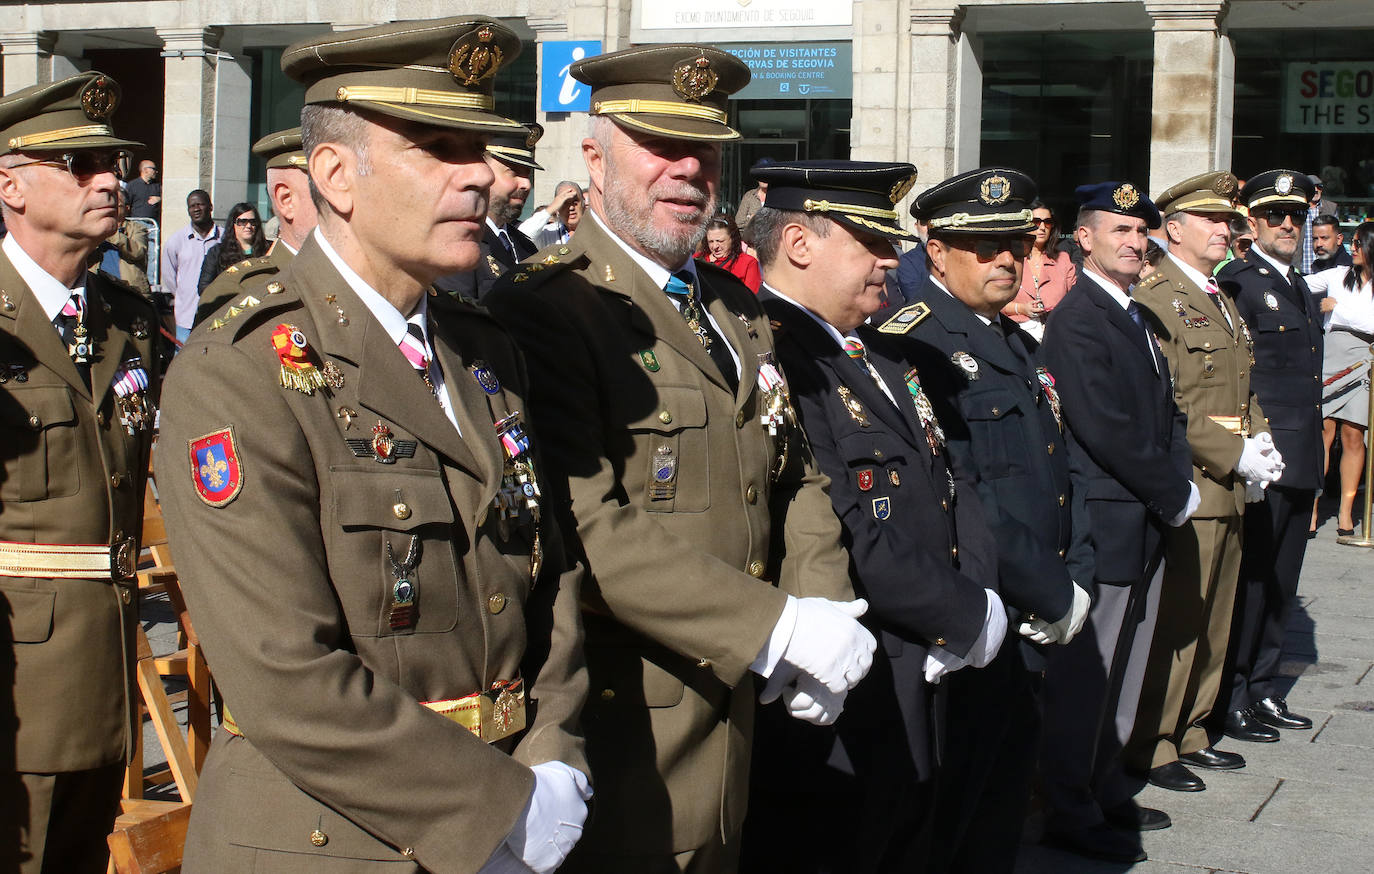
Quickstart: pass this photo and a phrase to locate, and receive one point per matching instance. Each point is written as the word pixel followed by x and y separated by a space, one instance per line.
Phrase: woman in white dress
pixel 1349 309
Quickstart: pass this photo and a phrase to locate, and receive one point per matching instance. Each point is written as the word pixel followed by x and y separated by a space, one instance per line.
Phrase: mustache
pixel 681 191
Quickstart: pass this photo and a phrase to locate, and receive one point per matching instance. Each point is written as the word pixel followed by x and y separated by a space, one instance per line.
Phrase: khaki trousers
pixel 57 823
pixel 1188 655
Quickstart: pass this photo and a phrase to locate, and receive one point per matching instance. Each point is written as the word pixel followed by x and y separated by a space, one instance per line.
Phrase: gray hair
pixel 333 124
pixel 765 229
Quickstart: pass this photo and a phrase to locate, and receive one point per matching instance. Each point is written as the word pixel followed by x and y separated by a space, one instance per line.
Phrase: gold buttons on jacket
pixel 35 423
pixel 401 509
pixel 703 663
pixel 116 479
pixel 100 418
pixel 755 568
pixel 1049 448
pixel 740 419
pixel 665 417
pixel 1061 553
pixel 126 596
pixel 607 694
pixel 1061 500
pixel 954 552
pixel 496 603
pixel 319 838
pixel 751 494
pixel 944 505
pixel 939 641
pixel 408 853
pixel 997 411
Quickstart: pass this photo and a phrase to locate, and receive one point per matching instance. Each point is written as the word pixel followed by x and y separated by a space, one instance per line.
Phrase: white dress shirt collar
pixel 1112 289
pixel 52 294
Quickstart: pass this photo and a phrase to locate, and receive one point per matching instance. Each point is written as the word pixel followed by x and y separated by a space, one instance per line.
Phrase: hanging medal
pixel 130 386
pixel 773 391
pixel 297 370
pixel 403 589
pixel 1052 395
pixel 935 435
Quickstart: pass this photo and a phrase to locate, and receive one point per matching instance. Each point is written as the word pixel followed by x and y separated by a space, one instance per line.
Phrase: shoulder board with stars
pixel 906 318
pixel 541 266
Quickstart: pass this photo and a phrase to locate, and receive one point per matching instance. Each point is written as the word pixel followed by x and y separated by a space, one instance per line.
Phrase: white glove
pixel 1254 492
pixel 827 643
pixel 940 661
pixel 989 640
pixel 811 702
pixel 1194 501
pixel 1259 460
pixel 552 823
pixel 1063 631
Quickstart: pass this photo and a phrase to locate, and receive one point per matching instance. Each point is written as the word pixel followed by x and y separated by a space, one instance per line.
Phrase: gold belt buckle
pixel 491 715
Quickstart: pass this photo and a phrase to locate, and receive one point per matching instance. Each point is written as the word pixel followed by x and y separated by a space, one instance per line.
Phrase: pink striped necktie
pixel 74 306
pixel 413 348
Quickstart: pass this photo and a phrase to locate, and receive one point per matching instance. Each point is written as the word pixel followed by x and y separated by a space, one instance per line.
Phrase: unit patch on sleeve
pixel 216 471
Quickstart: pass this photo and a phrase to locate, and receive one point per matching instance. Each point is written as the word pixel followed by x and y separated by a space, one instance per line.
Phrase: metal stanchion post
pixel 1364 538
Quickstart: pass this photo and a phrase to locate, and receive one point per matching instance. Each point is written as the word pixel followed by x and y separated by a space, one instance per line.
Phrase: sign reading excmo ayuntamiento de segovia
pixel 669 14
pixel 1329 97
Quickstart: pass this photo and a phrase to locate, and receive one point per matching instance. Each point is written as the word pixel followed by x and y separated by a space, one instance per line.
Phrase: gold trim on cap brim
pixel 636 122
pixel 892 231
pixel 1201 204
pixel 659 107
pixel 1294 199
pixel 412 96
pixel 523 157
pixel 960 220
pixel 43 138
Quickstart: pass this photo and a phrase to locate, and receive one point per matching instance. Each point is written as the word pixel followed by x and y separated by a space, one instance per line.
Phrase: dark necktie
pixel 505 241
pixel 681 285
pixel 1134 312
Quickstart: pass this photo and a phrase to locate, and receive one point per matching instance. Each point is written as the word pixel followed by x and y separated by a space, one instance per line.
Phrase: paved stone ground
pixel 1302 804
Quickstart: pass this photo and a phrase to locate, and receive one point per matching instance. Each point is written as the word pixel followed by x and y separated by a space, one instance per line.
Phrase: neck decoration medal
pixel 773 389
pixel 297 370
pixel 130 388
pixel 81 349
pixel 935 435
pixel 519 484
pixel 1051 394
pixel 403 591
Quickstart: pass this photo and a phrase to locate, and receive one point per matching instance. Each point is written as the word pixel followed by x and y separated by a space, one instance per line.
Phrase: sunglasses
pixel 1042 222
pixel 85 165
pixel 987 248
pixel 246 222
pixel 1274 217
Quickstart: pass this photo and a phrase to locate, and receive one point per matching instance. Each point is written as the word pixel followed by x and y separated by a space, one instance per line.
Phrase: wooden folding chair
pixel 149 837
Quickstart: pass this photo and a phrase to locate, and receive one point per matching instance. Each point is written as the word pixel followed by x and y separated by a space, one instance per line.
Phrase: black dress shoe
pixel 1214 759
pixel 1176 778
pixel 1243 725
pixel 1274 712
pixel 1099 841
pixel 1345 532
pixel 1129 815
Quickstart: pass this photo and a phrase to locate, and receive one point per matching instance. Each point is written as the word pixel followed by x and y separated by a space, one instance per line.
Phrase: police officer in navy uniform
pixel 1285 322
pixel 511 159
pixel 1127 435
pixel 1000 412
pixel 920 550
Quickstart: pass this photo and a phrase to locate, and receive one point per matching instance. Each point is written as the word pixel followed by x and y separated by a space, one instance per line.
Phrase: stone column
pixel 881 92
pixel 188 140
pixel 28 59
pixel 944 123
pixel 233 132
pixel 1193 91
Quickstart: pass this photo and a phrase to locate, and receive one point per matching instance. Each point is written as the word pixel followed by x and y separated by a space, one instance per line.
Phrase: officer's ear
pixel 11 193
pixel 935 255
pixel 594 156
pixel 797 243
pixel 333 169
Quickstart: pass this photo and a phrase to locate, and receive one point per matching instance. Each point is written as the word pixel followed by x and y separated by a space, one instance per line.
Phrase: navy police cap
pixel 860 194
pixel 1122 198
pixel 989 200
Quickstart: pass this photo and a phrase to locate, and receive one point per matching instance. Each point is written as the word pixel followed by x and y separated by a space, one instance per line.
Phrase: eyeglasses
pixel 1274 217
pixel 246 222
pixel 85 164
pixel 987 248
pixel 1042 222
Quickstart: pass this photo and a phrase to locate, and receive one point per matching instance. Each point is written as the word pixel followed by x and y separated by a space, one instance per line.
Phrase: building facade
pixel 1069 91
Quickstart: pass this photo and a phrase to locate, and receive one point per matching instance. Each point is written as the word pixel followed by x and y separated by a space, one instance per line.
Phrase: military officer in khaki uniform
pixel 288 187
pixel 353 495
pixel 712 549
pixel 1210 355
pixel 78 381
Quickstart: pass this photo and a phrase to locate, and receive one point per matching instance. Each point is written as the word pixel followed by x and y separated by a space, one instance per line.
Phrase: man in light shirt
pixel 183 252
pixel 556 222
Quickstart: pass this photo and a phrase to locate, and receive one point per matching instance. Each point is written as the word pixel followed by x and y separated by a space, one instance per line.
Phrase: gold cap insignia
pixel 1283 184
pixel 474 57
pixel 995 190
pixel 1125 196
pixel 693 80
pixel 100 98
pixel 901 188
pixel 536 133
pixel 1225 185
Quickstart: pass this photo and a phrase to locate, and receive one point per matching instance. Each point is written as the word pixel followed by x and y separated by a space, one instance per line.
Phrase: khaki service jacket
pixel 1210 362
pixel 70 473
pixel 290 583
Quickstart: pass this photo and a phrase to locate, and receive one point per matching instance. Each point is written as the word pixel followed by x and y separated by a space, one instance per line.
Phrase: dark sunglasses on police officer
pixel 86 164
pixel 1274 217
pixel 987 248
